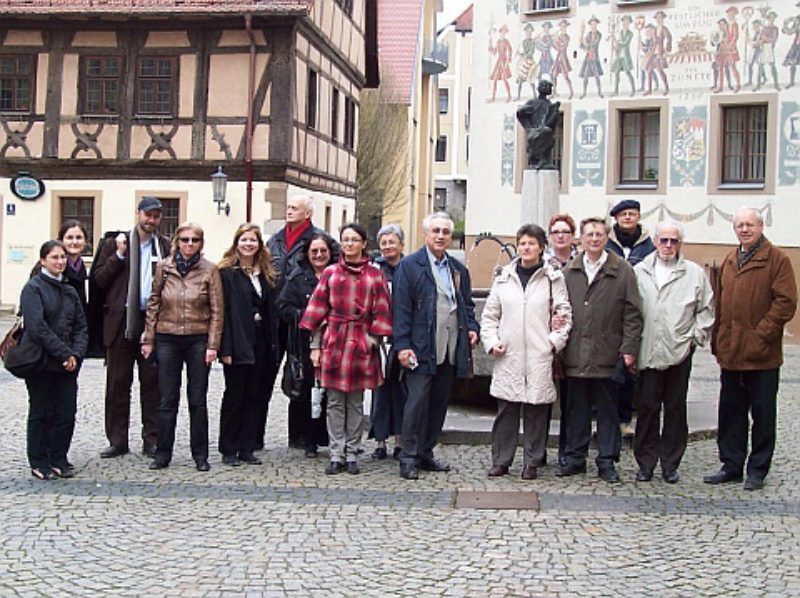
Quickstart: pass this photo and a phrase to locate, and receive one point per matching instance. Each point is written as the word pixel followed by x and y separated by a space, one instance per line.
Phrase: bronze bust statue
pixel 539 116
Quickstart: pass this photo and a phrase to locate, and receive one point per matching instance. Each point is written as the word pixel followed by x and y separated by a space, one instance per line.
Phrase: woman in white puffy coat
pixel 516 331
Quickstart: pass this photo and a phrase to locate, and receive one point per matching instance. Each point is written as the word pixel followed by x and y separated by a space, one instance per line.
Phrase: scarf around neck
pixel 745 256
pixel 134 324
pixel 628 239
pixel 183 265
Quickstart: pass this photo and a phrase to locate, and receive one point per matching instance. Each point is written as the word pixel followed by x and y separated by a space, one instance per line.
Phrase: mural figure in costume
pixel 768 39
pixel 502 66
pixel 561 65
pixel 791 26
pixel 591 67
pixel 526 62
pixel 621 48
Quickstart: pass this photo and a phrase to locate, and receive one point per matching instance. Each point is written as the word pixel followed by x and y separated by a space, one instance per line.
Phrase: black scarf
pixel 183 265
pixel 628 239
pixel 745 256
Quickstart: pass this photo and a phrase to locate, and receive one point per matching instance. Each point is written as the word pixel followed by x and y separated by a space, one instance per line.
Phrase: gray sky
pixel 452 8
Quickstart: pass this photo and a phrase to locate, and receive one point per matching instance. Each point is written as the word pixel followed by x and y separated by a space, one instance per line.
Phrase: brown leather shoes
pixel 498 470
pixel 528 472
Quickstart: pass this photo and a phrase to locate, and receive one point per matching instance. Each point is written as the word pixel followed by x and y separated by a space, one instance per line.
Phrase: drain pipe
pixel 251 83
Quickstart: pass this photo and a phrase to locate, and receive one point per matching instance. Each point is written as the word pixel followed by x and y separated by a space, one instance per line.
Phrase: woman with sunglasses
pixel 301 281
pixel 249 343
pixel 184 326
pixel 349 310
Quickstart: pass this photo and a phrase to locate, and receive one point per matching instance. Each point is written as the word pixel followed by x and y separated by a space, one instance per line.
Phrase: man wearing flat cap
pixel 123 273
pixel 631 241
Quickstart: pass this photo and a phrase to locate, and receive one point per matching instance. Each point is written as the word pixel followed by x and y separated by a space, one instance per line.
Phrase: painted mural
pixel 789 162
pixel 722 49
pixel 688 152
pixel 588 159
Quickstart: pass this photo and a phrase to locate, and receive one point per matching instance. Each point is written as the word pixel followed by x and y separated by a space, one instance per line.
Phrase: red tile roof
pixel 399 23
pixel 155 7
pixel 463 22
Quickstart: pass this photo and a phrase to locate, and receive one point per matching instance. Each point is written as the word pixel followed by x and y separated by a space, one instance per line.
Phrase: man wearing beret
pixel 123 272
pixel 631 241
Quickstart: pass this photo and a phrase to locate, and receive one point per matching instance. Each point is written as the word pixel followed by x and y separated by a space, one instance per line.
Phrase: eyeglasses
pixel 189 239
pixel 668 241
pixel 440 231
pixel 561 231
pixel 318 251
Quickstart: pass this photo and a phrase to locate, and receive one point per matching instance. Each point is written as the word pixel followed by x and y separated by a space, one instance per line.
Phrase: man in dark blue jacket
pixel 631 241
pixel 434 332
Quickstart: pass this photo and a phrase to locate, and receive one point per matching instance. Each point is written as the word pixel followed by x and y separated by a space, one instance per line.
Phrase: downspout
pixel 251 83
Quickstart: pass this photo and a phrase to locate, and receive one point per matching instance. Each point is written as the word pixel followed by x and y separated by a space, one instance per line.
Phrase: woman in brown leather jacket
pixel 184 325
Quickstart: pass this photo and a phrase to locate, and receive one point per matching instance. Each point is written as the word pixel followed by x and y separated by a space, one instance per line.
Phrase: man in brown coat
pixel 755 296
pixel 124 271
pixel 606 331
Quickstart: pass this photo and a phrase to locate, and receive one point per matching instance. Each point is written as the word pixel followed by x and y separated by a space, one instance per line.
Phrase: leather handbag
pixel 12 338
pixel 293 370
pixel 25 360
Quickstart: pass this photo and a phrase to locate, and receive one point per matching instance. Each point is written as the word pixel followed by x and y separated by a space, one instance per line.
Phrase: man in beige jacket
pixel 678 315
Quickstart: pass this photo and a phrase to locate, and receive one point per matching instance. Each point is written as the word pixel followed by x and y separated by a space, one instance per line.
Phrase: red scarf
pixel 293 234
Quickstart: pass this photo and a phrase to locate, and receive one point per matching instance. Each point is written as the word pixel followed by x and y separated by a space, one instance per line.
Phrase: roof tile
pixel 155 7
pixel 399 23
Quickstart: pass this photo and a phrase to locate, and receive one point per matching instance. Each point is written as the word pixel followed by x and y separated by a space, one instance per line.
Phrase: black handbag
pixel 293 370
pixel 25 360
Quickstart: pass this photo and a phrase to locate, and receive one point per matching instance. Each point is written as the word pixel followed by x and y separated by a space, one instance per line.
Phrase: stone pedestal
pixel 539 197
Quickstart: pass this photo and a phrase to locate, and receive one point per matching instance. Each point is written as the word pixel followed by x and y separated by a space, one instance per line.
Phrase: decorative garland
pixel 710 209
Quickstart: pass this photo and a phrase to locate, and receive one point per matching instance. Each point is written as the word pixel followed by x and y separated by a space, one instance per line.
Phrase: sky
pixel 452 8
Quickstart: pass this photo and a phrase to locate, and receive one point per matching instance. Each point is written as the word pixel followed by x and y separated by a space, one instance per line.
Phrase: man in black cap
pixel 631 241
pixel 123 273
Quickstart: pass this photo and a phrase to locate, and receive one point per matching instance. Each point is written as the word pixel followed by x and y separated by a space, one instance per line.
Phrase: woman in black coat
pixel 54 318
pixel 300 284
pixel 249 345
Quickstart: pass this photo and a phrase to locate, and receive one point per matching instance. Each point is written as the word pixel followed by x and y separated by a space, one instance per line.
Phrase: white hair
pixel 426 222
pixel 306 200
pixel 669 224
pixel 744 209
pixel 391 229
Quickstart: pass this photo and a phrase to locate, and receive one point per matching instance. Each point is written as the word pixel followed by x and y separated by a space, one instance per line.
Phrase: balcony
pixel 435 57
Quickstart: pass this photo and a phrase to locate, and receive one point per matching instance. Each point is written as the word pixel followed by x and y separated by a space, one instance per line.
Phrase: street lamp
pixel 219 183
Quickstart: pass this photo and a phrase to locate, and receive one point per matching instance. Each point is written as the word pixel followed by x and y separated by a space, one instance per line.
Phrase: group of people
pixel 619 318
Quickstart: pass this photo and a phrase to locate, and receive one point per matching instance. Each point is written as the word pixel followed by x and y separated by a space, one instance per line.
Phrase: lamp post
pixel 219 184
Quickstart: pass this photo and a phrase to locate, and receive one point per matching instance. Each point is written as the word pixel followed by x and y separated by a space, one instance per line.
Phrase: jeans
pixel 172 351
pixel 51 417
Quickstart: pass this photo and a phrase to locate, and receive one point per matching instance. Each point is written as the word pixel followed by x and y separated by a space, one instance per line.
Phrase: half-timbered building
pixel 105 101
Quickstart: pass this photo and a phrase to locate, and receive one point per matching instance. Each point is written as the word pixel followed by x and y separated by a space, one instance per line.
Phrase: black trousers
pixel 248 390
pixel 655 441
pixel 121 356
pixel 627 392
pixel 580 392
pixel 386 415
pixel 744 394
pixel 52 401
pixel 310 433
pixel 425 409
pixel 172 352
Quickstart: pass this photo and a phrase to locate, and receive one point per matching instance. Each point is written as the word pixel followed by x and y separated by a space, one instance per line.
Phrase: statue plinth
pixel 540 189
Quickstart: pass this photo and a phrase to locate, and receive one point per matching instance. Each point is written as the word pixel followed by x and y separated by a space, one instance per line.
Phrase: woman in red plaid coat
pixel 349 310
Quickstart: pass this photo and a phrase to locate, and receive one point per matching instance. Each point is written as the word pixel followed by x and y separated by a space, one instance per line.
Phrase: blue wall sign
pixel 26 186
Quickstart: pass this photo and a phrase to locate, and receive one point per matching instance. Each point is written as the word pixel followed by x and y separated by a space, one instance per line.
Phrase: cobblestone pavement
pixel 286 528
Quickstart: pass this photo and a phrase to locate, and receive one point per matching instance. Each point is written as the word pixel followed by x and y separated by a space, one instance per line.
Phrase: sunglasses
pixel 189 239
pixel 668 241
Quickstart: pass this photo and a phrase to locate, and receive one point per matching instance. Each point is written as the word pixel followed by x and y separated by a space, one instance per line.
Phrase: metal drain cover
pixel 497 500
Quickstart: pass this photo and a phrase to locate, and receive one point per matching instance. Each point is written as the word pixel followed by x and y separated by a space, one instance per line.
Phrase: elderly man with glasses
pixel 678 315
pixel 434 332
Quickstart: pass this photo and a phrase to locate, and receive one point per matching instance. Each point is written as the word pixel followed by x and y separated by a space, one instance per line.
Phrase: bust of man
pixel 539 116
